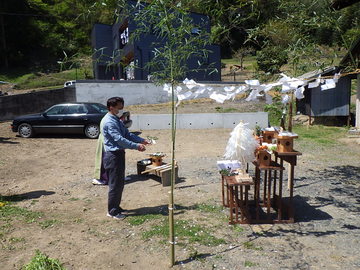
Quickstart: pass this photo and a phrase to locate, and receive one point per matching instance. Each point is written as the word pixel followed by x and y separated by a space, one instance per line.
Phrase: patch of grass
pixel 48 223
pixel 225 110
pixel 10 244
pixel 322 135
pixel 16 239
pixel 237 228
pixel 250 264
pixel 191 233
pixel 9 211
pixel 30 80
pixel 33 202
pixel 78 220
pixel 43 262
pixel 138 220
pixel 251 245
pixel 208 208
pixel 74 199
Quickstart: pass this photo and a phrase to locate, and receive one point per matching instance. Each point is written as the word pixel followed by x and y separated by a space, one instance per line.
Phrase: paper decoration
pixel 299 93
pixel 329 84
pixel 253 87
pixel 285 99
pixel 241 145
pixel 228 165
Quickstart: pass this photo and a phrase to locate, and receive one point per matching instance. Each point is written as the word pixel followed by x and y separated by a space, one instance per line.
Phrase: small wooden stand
pixel 285 143
pixel 237 197
pixel 268 136
pixel 163 171
pixel 263 157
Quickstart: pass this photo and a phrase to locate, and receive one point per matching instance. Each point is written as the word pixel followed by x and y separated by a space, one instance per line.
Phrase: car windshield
pixel 99 107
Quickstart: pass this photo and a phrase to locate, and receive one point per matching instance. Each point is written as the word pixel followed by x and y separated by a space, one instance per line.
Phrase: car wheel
pixel 26 130
pixel 92 131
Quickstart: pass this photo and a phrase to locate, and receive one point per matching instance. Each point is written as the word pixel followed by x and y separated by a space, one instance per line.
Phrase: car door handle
pixel 60 119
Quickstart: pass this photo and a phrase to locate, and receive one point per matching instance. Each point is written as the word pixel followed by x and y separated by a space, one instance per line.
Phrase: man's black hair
pixel 114 101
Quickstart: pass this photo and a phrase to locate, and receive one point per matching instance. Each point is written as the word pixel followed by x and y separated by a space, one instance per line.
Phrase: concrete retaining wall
pixel 198 121
pixel 134 92
pixel 16 105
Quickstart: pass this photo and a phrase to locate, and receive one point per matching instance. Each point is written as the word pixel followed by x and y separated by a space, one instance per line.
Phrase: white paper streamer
pixel 285 99
pixel 288 85
pixel 252 95
pixel 329 84
pixel 299 93
pixel 218 97
pixel 252 82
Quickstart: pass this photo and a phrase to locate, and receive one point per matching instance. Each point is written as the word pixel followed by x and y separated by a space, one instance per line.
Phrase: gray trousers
pixel 114 164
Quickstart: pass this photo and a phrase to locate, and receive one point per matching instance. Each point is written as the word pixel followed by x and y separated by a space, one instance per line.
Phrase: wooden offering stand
pixel 268 135
pixel 237 196
pixel 285 143
pixel 263 157
pixel 156 166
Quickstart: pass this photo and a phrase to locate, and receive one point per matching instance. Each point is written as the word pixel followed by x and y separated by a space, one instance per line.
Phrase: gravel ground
pixel 52 175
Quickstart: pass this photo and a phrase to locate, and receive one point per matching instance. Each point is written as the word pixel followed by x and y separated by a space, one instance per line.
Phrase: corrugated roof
pixel 316 73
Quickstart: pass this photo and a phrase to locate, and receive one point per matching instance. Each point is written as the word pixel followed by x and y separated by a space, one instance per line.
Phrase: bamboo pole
pixel 171 200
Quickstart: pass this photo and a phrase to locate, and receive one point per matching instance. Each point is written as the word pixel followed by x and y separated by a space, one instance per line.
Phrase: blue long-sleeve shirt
pixel 117 136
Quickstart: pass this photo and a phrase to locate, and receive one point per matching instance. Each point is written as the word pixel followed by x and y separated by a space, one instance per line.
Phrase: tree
pixel 170 22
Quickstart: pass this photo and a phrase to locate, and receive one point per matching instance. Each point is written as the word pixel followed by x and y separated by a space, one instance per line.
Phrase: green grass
pixel 250 264
pixel 186 232
pixel 43 262
pixel 208 208
pixel 225 110
pixel 32 80
pixel 48 223
pixel 237 228
pixel 8 212
pixel 320 135
pixel 138 220
pixel 251 245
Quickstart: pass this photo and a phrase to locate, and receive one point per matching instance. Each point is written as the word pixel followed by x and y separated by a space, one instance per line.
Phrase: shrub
pixel 271 59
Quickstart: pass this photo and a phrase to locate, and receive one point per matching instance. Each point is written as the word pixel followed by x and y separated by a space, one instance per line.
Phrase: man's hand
pixel 141 147
pixel 145 142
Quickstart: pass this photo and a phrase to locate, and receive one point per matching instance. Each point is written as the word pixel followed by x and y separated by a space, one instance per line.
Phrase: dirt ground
pixel 52 176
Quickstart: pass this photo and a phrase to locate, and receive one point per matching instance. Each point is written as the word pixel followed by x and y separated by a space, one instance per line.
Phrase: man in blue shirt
pixel 117 138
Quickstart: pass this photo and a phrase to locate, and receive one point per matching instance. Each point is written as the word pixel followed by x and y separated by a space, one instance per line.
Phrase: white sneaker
pixel 118 216
pixel 97 182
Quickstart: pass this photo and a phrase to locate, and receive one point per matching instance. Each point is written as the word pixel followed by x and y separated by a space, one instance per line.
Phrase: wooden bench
pixel 163 171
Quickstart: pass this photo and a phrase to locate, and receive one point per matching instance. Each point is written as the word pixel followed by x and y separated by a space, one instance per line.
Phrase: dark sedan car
pixel 66 118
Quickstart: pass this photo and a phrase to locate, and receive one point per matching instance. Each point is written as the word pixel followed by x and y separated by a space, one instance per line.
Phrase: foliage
pixel 275 110
pixel 271 59
pixel 172 25
pixel 51 27
pixel 43 262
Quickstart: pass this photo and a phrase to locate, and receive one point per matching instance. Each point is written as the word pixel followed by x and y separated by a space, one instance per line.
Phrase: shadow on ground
pixel 7 141
pixel 26 196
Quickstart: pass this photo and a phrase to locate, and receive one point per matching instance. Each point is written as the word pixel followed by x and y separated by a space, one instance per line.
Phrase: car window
pixel 99 108
pixel 76 109
pixel 57 109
